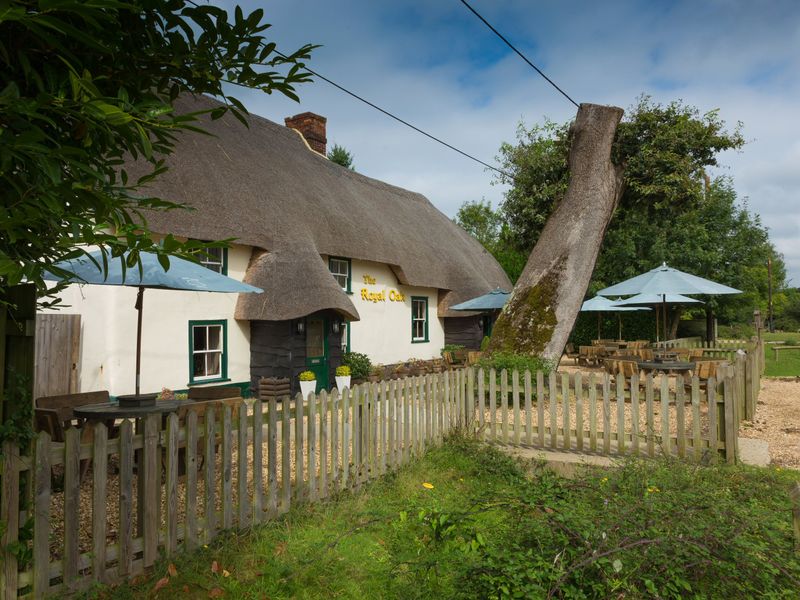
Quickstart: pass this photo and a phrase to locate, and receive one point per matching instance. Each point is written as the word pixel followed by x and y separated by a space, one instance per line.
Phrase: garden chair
pixel 570 352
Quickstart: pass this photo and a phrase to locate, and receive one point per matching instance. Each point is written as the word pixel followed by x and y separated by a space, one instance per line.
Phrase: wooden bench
pixel 456 359
pixel 776 348
pixel 54 415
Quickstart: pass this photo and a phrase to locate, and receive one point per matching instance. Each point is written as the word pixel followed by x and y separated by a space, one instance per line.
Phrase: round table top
pixel 666 365
pixel 112 410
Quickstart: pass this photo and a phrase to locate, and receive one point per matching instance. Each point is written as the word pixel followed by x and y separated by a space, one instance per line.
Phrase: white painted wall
pixel 108 337
pixel 384 331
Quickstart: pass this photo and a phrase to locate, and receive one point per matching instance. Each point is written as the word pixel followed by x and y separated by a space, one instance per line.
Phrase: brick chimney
pixel 312 128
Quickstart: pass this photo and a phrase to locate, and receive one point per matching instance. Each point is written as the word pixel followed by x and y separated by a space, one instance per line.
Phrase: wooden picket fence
pixel 156 486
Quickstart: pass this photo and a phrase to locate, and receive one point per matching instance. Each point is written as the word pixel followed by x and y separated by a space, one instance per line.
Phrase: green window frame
pixel 419 320
pixel 214 259
pixel 335 264
pixel 346 337
pixel 202 349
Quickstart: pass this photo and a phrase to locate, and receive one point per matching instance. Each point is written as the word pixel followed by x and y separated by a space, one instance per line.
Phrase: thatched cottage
pixel 345 262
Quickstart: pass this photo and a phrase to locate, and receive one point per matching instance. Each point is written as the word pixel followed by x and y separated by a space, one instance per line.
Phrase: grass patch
pixel 487 530
pixel 788 362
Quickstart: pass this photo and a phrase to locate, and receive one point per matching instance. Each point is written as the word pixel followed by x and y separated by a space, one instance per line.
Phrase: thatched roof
pixel 263 186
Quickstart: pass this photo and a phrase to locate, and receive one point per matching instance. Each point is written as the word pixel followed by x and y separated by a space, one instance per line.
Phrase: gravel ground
pixel 778 420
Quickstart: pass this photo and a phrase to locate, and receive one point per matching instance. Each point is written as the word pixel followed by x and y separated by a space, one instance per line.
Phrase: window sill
pixel 420 341
pixel 205 381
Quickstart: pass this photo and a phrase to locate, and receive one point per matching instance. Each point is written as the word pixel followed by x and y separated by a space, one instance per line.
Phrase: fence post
pixel 9 516
pixel 795 497
pixel 730 421
pixel 749 378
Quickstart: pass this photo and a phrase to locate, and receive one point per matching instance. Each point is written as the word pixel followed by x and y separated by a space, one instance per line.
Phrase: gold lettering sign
pixel 396 296
pixel 368 279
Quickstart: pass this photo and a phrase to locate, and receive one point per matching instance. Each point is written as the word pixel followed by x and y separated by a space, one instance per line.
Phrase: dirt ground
pixel 778 420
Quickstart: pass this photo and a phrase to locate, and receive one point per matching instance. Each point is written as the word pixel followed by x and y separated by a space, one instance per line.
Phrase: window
pixel 346 337
pixel 208 351
pixel 419 319
pixel 340 269
pixel 215 259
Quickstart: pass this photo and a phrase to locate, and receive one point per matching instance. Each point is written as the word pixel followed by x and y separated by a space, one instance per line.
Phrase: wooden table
pixel 106 411
pixel 670 367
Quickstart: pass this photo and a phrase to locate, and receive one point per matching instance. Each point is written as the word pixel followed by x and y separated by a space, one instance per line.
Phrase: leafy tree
pixel 480 220
pixel 670 210
pixel 341 156
pixel 87 86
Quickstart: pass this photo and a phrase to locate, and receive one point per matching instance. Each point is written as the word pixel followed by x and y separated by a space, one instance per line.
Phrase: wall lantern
pixel 336 325
pixel 301 326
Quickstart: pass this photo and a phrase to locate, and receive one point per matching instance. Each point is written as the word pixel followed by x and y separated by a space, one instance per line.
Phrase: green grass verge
pixel 488 530
pixel 788 362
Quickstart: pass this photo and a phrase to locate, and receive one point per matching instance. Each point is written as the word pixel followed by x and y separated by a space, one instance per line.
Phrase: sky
pixel 432 63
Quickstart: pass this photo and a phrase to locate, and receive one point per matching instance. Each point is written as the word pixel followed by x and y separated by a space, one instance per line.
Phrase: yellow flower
pixel 651 489
pixel 427 486
pixel 226 573
pixel 604 480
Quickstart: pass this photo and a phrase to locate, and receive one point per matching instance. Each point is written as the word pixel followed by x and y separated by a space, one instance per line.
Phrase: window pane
pixel 315 338
pixel 199 365
pixel 214 337
pixel 213 363
pixel 199 335
pixel 341 280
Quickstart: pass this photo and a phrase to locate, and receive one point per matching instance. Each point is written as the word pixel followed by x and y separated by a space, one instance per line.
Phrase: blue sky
pixel 434 64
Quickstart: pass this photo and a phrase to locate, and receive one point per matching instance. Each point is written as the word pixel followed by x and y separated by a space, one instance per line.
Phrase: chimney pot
pixel 312 128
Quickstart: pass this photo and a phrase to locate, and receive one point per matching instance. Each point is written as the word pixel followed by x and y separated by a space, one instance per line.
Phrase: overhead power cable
pixel 521 55
pixel 403 121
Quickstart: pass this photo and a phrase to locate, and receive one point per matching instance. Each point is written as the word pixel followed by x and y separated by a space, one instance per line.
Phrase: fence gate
pixel 58 344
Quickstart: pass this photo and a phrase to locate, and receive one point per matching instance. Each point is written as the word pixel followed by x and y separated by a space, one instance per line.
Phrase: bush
pixel 307 376
pixel 342 371
pixel 359 364
pixel 450 348
pixel 485 343
pixel 511 361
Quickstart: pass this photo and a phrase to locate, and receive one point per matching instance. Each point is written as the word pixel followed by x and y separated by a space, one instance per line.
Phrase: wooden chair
pixel 570 352
pixel 456 359
pixel 473 357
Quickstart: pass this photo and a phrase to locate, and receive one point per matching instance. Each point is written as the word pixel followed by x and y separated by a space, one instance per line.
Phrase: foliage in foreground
pixel 87 86
pixel 466 522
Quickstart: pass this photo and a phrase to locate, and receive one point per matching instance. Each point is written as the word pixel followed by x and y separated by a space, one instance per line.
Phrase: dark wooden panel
pixel 465 331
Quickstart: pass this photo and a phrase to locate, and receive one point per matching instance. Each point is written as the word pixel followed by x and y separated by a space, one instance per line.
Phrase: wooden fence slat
pixel 730 417
pixel 323 444
pixel 227 468
pixel 41 516
pixel 504 403
pixel 299 422
pixel 553 414
pixel 384 394
pixel 245 511
pixel 191 480
pixel 286 453
pixel 374 413
pixel 258 461
pixel 635 414
pixel 540 407
pixel 312 447
pixel 565 420
pixel 579 411
pixel 210 464
pixel 392 418
pixel 171 488
pixel 528 408
pixel 152 494
pixel 651 419
pixel 72 474
pixel 493 403
pixel 406 420
pixel 666 444
pixel 436 430
pixel 606 414
pixel 515 400
pixel 592 413
pixel 619 379
pixel 272 457
pixel 99 493
pixel 697 442
pixel 9 516
pixel 680 416
pixel 713 432
pixel 346 425
pixel 335 472
pixel 481 403
pixel 357 435
pixel 469 403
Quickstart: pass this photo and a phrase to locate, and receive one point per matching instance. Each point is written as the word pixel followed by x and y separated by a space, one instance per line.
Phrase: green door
pixel 317 350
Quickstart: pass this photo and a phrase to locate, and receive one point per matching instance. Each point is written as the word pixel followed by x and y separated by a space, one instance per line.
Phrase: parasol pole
pixel 619 318
pixel 664 308
pixel 139 305
pixel 599 314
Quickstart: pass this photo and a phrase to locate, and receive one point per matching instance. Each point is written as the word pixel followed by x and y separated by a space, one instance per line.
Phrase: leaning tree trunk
pixel 541 312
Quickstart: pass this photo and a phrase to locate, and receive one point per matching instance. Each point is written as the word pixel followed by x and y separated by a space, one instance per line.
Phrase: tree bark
pixel 545 302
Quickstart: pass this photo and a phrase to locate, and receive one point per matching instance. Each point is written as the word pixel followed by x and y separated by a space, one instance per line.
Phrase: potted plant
pixel 376 373
pixel 400 371
pixel 360 366
pixel 308 383
pixel 416 367
pixel 342 377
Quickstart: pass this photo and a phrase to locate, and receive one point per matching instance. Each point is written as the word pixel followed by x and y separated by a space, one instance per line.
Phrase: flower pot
pixel 308 387
pixel 342 381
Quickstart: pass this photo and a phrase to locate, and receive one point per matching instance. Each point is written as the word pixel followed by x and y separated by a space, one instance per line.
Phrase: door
pixel 58 338
pixel 317 350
